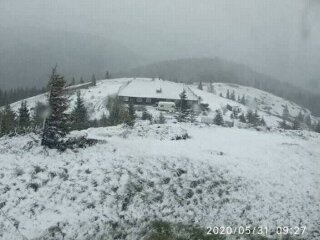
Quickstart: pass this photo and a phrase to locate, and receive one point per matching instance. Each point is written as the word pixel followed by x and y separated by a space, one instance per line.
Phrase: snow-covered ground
pixel 268 105
pixel 217 177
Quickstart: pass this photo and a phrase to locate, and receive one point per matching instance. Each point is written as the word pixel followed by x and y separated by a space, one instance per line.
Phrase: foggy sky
pixel 277 37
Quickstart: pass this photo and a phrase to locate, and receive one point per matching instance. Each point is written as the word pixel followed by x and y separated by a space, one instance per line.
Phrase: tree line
pixel 52 119
pixel 16 94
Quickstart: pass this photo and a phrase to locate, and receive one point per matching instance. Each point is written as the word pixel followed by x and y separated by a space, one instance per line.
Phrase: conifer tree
pixel 79 115
pixel 73 81
pixel 211 88
pixel 107 75
pixel 183 107
pixel 300 116
pixel 233 96
pixel 81 80
pixel 8 121
pixel 317 128
pixel 103 122
pixel 200 87
pixel 243 100
pixel 250 116
pixel 161 120
pixel 307 120
pixel 218 119
pixel 242 118
pixel 220 94
pixel 256 119
pixel 95 123
pixel 283 124
pixel 39 115
pixel 296 123
pixel 262 122
pixel 23 117
pixel 146 115
pixel 57 124
pixel 93 80
pixel 285 113
pixel 131 115
pixel 131 109
pixel 228 94
pixel 115 108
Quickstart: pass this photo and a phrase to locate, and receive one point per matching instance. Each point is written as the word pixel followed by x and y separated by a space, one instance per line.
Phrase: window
pixel 139 99
pixel 148 100
pixel 126 99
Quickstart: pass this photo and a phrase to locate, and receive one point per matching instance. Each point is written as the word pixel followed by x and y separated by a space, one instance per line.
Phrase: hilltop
pixel 268 105
pixel 220 70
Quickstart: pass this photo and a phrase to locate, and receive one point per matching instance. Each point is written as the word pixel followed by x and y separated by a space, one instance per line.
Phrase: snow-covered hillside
pixel 217 177
pixel 189 173
pixel 268 105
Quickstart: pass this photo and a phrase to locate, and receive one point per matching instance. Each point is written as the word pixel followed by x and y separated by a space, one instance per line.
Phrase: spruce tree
pixel 250 116
pixel 307 120
pixel 200 87
pixel 39 115
pixel 283 124
pixel 73 81
pixel 79 115
pixel 93 80
pixel 242 118
pixel 317 128
pixel 115 108
pixel 218 119
pixel 146 115
pixel 81 80
pixel 262 122
pixel 183 107
pixel 300 116
pixel 285 113
pixel 94 123
pixel 107 75
pixel 211 88
pixel 23 117
pixel 296 123
pixel 256 119
pixel 8 121
pixel 57 124
pixel 103 122
pixel 243 100
pixel 131 115
pixel 228 94
pixel 233 96
pixel 161 120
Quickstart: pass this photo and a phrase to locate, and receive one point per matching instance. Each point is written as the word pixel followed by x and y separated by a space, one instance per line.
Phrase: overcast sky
pixel 277 37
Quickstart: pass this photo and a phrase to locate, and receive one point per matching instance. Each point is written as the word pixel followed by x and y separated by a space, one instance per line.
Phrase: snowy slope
pixel 216 102
pixel 268 105
pixel 260 100
pixel 95 96
pixel 218 177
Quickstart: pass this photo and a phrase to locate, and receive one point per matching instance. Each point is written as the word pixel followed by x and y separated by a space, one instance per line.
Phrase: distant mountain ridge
pixel 219 70
pixel 28 55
